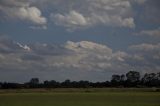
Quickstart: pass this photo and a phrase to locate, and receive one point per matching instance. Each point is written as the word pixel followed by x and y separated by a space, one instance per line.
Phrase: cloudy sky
pixel 78 39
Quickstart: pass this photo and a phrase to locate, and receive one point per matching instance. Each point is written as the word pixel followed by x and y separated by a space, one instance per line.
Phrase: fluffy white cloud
pixel 75 14
pixel 115 13
pixel 86 45
pixel 32 14
pixel 69 20
pixel 22 10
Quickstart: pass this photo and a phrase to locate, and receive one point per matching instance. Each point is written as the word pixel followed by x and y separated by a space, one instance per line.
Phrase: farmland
pixel 80 97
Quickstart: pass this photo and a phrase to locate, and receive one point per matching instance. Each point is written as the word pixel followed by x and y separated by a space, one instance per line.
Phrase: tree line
pixel 130 79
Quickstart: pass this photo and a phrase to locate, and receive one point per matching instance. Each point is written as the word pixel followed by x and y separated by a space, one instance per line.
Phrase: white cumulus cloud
pixel 69 20
pixel 21 10
pixel 115 13
pixel 32 14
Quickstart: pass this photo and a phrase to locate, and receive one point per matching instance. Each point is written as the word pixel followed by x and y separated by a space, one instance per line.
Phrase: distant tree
pixel 116 78
pixel 7 85
pixel 158 78
pixel 84 84
pixel 115 81
pixel 151 79
pixel 51 84
pixel 158 75
pixel 122 80
pixel 66 83
pixel 133 78
pixel 34 81
pixel 46 82
pixel 122 77
pixel 0 85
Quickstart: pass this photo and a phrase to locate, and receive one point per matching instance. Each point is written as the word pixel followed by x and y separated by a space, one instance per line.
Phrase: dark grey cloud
pixel 17 3
pixel 9 46
pixel 48 49
pixel 31 57
pixel 153 32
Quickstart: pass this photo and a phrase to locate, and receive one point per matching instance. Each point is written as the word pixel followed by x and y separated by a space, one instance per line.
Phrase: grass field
pixel 80 97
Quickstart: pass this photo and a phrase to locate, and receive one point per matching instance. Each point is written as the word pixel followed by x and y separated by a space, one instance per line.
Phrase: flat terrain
pixel 80 97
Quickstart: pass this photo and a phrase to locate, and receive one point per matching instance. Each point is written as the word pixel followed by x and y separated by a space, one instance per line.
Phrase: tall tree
pixel 34 81
pixel 133 78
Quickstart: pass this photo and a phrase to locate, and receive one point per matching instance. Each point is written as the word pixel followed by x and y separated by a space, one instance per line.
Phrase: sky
pixel 78 39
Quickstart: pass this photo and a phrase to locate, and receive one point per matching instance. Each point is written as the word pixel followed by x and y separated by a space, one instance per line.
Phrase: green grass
pixel 80 98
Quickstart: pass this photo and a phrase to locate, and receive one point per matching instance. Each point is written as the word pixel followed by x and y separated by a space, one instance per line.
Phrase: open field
pixel 80 97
